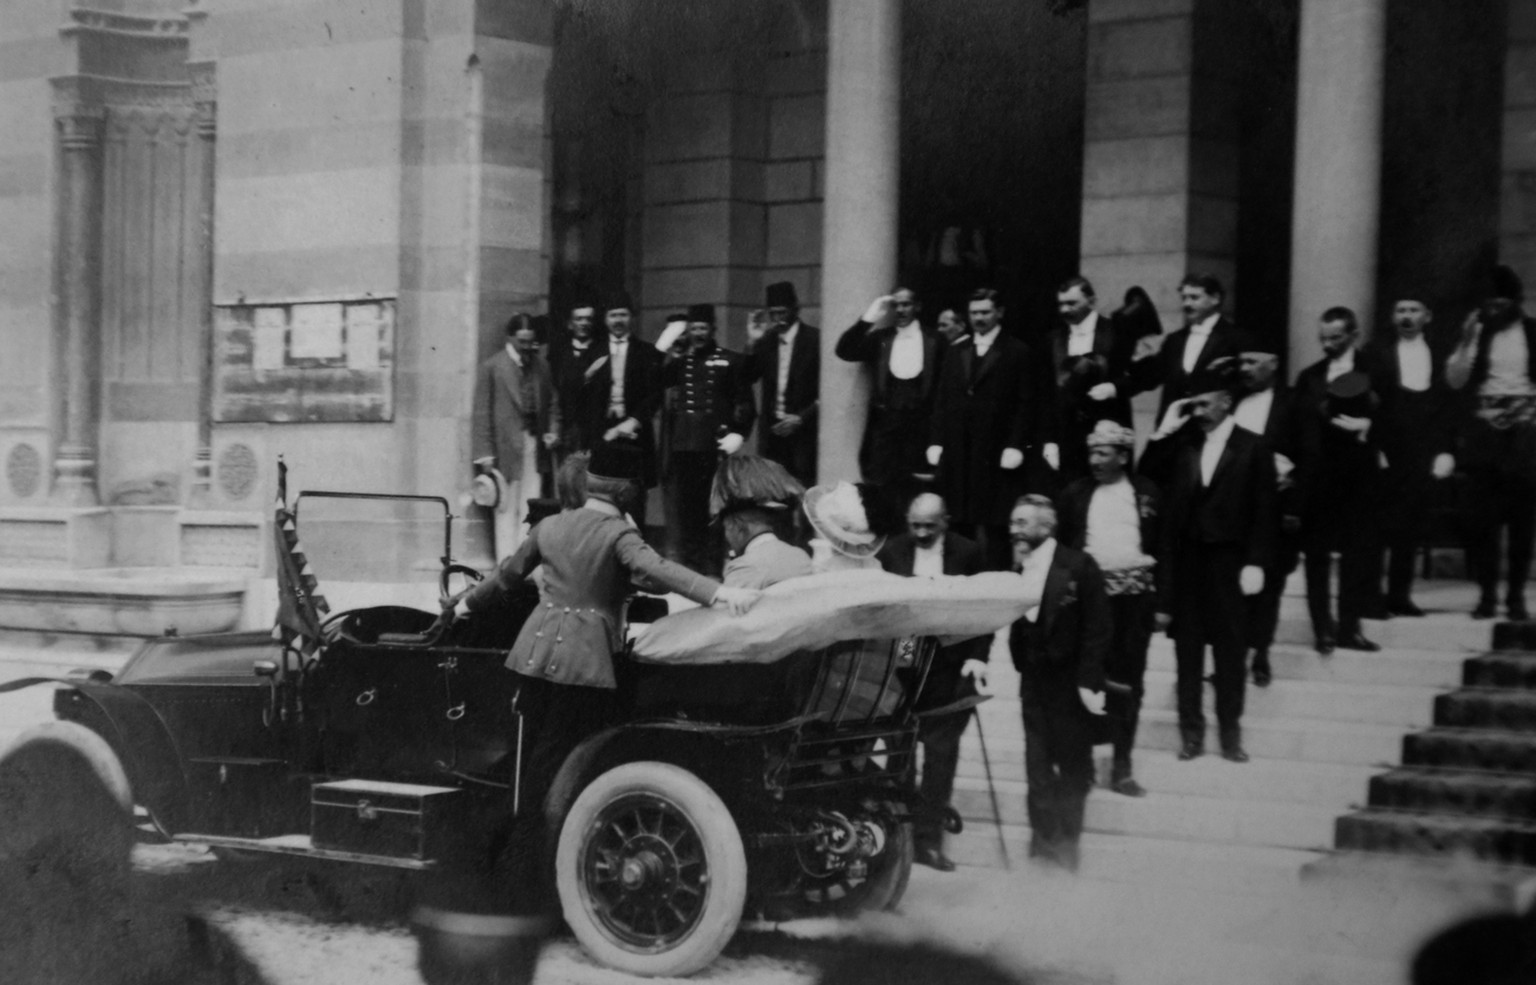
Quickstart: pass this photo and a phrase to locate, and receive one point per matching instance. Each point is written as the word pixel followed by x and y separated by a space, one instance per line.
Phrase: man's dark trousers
pixel 1127 665
pixel 1058 760
pixel 1209 610
pixel 940 736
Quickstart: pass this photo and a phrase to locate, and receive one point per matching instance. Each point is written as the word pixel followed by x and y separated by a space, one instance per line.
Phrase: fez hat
pixel 1220 374
pixel 701 312
pixel 782 295
pixel 617 300
pixel 615 460
pixel 1111 434
pixel 752 482
pixel 1351 394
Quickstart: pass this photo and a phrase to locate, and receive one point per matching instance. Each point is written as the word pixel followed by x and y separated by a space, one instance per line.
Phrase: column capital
pixel 79 126
pixel 205 97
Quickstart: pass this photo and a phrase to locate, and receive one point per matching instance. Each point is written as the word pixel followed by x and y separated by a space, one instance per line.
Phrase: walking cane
pixel 997 814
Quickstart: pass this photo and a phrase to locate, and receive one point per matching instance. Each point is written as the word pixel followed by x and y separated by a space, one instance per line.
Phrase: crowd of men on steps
pixel 1006 454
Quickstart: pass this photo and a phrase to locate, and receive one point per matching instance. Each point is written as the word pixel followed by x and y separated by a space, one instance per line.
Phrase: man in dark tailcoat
pixel 710 416
pixel 1207 336
pixel 1059 648
pixel 1218 483
pixel 1417 422
pixel 622 391
pixel 903 360
pixel 1117 518
pixel 928 550
pixel 1339 482
pixel 787 362
pixel 570 354
pixel 1091 359
pixel 985 418
pixel 1268 408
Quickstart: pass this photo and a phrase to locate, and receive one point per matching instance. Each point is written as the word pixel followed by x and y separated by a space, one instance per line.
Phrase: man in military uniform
pixel 710 416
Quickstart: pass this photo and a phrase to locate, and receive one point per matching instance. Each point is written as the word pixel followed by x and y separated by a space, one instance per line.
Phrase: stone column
pixel 206 121
pixel 859 225
pixel 79 309
pixel 1337 208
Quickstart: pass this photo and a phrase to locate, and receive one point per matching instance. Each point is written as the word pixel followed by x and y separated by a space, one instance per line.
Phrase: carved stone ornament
pixel 24 470
pixel 237 470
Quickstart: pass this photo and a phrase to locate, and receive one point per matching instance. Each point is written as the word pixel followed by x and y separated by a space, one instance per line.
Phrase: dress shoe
pixel 1234 753
pixel 934 859
pixel 1128 786
pixel 1357 641
pixel 1323 645
pixel 1486 609
pixel 1404 607
pixel 1516 608
pixel 1191 750
pixel 1261 672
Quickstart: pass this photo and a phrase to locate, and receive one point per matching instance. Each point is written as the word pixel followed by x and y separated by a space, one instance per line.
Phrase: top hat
pixel 1350 394
pixel 1506 284
pixel 618 300
pixel 701 312
pixel 782 295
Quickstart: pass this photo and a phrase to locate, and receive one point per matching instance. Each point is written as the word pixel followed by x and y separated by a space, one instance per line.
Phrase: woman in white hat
pixel 851 521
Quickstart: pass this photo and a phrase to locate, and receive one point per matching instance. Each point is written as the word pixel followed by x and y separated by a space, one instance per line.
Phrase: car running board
pixel 300 846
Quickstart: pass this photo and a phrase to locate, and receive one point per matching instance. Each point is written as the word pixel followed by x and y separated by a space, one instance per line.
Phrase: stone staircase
pixel 1317 736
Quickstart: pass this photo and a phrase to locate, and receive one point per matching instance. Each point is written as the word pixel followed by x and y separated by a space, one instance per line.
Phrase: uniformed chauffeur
pixel 710 416
pixel 563 656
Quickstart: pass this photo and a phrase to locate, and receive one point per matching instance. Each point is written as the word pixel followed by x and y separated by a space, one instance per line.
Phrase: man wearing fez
pixel 787 360
pixel 985 417
pixel 1117 518
pixel 1218 483
pixel 1418 425
pixel 903 361
pixel 1206 337
pixel 1091 358
pixel 622 391
pixel 928 550
pixel 570 355
pixel 710 416
pixel 1268 409
pixel 1339 482
pixel 514 424
pixel 1059 649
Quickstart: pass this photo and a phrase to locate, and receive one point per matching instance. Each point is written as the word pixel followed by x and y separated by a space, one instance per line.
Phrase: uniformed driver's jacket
pixel 590 560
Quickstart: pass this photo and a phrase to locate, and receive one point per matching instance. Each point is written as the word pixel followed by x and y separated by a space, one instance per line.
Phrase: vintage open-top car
pixel 777 783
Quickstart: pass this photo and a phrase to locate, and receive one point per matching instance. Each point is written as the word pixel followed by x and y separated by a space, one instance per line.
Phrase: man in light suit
pixel 787 360
pixel 928 550
pixel 516 423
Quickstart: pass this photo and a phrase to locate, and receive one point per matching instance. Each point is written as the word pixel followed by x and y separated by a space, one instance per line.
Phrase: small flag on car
pixel 299 610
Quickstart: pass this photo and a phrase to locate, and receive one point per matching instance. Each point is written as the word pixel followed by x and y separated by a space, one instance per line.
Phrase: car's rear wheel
pixel 651 870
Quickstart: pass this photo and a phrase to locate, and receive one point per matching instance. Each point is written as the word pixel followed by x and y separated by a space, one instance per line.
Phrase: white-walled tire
pixel 651 870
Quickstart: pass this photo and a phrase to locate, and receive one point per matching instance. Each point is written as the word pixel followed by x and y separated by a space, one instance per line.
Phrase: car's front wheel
pixel 651 870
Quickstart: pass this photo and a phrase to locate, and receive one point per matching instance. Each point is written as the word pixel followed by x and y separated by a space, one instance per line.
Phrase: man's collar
pixel 1346 358
pixel 1223 431
pixel 759 539
pixel 517 357
pixel 1087 326
pixel 988 338
pixel 911 328
pixel 938 545
pixel 1205 325
pixel 1042 555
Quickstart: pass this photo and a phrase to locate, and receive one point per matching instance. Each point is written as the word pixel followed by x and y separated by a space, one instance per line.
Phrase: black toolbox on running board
pixel 372 817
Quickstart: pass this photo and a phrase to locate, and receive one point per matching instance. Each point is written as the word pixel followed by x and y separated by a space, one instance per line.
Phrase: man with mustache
pixel 1206 337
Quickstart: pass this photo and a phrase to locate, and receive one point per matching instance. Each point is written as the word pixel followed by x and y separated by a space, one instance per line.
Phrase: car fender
pixel 94 751
pixel 143 744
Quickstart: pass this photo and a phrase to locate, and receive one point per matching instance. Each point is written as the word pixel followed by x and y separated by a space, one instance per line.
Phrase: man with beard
pixel 1206 337
pixel 1418 425
pixel 985 417
pixel 622 392
pixel 1092 361
pixel 928 550
pixel 1059 648
pixel 1268 409
pixel 569 358
pixel 1339 482
pixel 903 360
pixel 710 417
pixel 1117 518
pixel 787 359
pixel 1218 483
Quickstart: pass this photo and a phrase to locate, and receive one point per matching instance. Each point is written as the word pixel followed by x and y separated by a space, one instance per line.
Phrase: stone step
pixel 1479 749
pixel 1501 670
pixel 1270 824
pixel 1449 631
pixel 1292 662
pixel 1141 860
pixel 1331 785
pixel 1481 885
pixel 1384 704
pixel 1487 708
pixel 1445 835
pixel 1498 795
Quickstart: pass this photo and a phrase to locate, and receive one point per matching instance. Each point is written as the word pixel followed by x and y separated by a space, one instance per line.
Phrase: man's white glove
pixel 485 460
pixel 976 670
pixel 1012 459
pixel 1102 391
pixel 731 443
pixel 1252 579
pixel 878 309
pixel 1445 465
pixel 1092 700
pixel 1052 455
pixel 670 335
pixel 935 452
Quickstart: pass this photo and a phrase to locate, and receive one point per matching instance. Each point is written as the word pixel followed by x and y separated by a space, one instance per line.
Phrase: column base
pixel 75 484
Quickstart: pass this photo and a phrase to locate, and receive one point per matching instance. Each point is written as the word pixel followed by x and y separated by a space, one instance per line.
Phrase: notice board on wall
pixel 320 361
